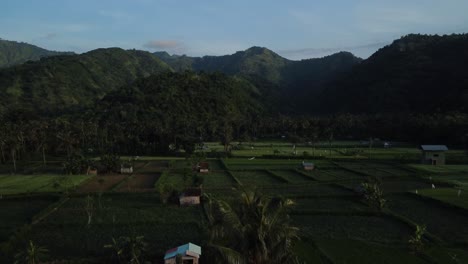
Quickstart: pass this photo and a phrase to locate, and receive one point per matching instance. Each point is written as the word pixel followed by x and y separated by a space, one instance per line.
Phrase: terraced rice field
pixel 444 222
pixel 139 183
pixel 102 183
pixel 292 176
pixel 18 212
pixel 217 179
pixel 17 184
pixel 256 178
pixel 369 228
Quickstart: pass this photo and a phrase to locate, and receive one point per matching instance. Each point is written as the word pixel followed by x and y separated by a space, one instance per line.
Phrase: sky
pixel 295 29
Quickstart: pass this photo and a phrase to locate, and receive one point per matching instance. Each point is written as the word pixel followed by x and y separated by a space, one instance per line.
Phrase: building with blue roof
pixel 189 253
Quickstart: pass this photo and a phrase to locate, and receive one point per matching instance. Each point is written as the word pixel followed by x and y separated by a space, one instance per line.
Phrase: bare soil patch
pixel 101 183
pixel 139 183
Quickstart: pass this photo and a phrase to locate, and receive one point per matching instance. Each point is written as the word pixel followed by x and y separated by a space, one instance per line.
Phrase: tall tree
pixel 254 230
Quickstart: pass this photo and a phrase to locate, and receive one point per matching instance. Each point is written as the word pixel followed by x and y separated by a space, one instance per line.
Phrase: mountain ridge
pixel 14 53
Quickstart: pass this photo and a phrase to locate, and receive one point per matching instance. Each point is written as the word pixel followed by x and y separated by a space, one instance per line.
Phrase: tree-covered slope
pixel 291 83
pixel 255 60
pixel 417 73
pixel 265 63
pixel 63 82
pixel 14 53
pixel 181 107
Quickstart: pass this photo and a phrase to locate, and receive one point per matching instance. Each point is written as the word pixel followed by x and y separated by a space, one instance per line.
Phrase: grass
pixel 337 204
pixel 19 211
pixel 441 168
pixel 447 195
pixel 270 164
pixel 117 215
pixel 309 253
pixel 217 179
pixel 376 229
pixel 307 190
pixel 256 178
pixel 444 222
pixel 292 176
pixel 403 185
pixel 362 252
pixel 171 178
pixel 335 225
pixel 17 184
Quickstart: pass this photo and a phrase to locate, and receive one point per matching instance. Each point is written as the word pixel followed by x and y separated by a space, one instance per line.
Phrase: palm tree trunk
pixel 3 153
pixel 43 155
pixel 13 152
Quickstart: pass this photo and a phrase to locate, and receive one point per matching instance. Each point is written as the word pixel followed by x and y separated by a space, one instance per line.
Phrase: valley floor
pixel 336 225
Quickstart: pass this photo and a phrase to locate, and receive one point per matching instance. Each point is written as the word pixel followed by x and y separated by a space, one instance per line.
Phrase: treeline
pixel 150 132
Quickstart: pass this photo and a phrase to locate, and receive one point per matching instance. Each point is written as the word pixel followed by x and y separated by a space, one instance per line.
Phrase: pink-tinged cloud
pixel 162 44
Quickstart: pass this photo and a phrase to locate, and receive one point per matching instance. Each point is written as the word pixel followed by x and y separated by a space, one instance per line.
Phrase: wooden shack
pixel 190 196
pixel 433 154
pixel 188 254
pixel 203 167
pixel 91 171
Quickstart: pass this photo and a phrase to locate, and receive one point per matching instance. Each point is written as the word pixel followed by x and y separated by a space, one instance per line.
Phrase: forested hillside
pixel 60 83
pixel 180 108
pixel 415 74
pixel 294 82
pixel 14 53
pixel 133 101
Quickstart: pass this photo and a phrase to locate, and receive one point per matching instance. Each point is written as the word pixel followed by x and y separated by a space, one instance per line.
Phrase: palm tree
pixel 31 255
pixel 128 249
pixel 257 229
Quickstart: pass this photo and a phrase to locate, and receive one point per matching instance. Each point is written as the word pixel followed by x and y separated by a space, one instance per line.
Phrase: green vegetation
pixel 382 82
pixel 65 114
pixel 17 184
pixel 326 204
pixel 14 53
pixel 254 229
pixel 56 84
pixel 457 197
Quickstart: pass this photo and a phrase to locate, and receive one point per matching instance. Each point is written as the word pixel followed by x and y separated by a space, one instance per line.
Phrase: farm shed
pixel 126 169
pixel 190 196
pixel 91 171
pixel 189 253
pixel 433 154
pixel 203 167
pixel 307 165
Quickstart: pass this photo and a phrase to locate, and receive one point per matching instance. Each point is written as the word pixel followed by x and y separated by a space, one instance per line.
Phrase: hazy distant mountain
pixel 417 73
pixel 13 53
pixel 60 82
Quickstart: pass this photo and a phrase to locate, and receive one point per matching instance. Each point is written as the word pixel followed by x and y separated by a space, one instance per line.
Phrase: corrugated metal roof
pixel 182 250
pixel 434 147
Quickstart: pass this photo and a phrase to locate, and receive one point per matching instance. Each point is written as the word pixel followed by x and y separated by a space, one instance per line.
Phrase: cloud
pixel 163 45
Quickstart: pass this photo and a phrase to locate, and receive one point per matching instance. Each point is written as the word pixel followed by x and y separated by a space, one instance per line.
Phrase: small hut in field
pixel 91 171
pixel 188 253
pixel 190 196
pixel 308 166
pixel 433 154
pixel 126 169
pixel 203 167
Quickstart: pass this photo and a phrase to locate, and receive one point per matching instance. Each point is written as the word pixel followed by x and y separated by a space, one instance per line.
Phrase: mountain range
pixel 417 73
